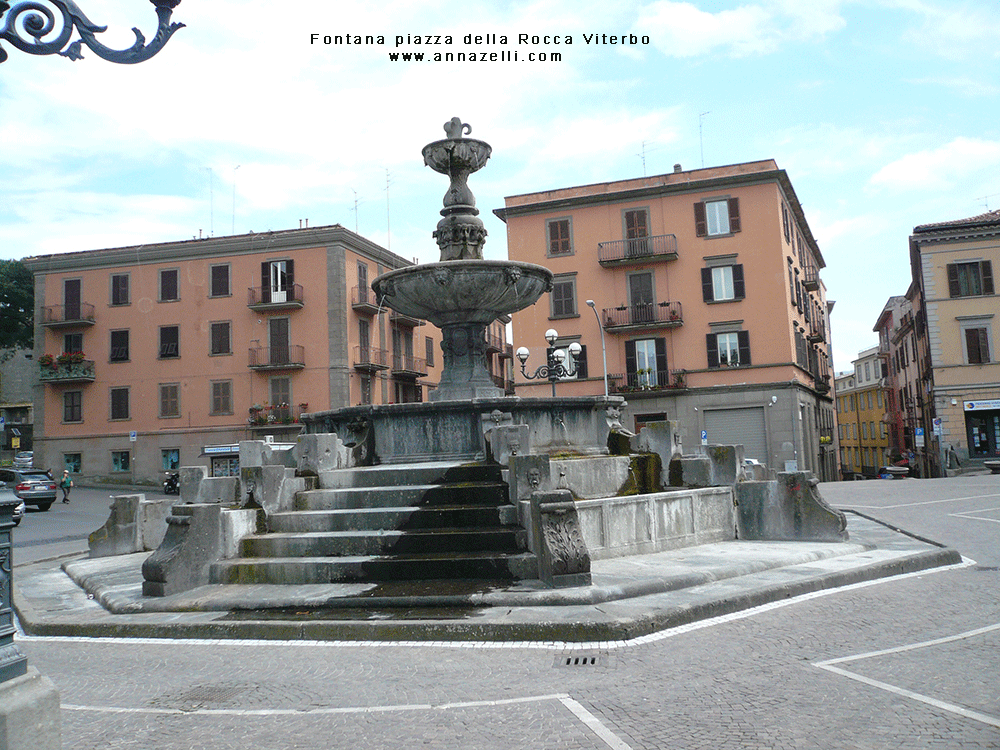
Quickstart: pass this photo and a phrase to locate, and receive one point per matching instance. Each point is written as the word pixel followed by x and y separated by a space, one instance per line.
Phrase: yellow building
pixel 862 429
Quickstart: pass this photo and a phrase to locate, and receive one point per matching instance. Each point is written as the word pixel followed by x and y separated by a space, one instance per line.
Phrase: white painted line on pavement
pixel 914 505
pixel 828 665
pixel 594 724
pixel 971 515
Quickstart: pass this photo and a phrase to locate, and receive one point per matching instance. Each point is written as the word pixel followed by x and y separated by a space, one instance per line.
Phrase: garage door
pixel 738 427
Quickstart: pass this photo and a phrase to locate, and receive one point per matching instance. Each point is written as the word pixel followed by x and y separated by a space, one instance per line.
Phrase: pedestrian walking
pixel 66 484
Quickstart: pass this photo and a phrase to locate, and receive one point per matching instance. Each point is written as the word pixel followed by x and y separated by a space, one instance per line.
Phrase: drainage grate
pixel 582 659
pixel 986 568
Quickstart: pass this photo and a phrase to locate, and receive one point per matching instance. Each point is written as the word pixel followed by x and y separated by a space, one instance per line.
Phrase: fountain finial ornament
pixel 455 128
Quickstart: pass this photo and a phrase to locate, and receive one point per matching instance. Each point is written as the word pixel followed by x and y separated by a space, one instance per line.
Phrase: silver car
pixel 24 459
pixel 34 486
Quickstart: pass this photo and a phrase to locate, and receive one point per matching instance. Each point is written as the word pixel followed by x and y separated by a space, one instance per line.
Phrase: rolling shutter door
pixel 738 427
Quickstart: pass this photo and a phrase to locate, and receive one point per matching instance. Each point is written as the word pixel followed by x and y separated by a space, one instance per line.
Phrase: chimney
pixel 677 168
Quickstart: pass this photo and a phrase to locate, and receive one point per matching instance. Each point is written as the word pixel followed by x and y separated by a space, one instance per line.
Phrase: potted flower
pixel 64 359
pixel 77 358
pixel 47 360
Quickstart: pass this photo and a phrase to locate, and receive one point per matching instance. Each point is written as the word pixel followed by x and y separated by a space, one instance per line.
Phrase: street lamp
pixel 29 22
pixel 553 369
pixel 604 348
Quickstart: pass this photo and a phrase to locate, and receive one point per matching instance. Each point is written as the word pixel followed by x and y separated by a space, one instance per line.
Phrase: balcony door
pixel 636 232
pixel 640 292
pixel 71 299
pixel 276 280
pixel 278 335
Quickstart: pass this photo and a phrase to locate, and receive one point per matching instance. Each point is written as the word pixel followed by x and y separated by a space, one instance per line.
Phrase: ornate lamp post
pixel 554 368
pixel 29 23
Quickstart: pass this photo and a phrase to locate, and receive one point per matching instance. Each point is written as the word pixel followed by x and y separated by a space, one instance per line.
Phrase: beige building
pixel 953 265
pixel 708 306
pixel 161 355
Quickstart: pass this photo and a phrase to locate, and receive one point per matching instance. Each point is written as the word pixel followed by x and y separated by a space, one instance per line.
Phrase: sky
pixel 884 113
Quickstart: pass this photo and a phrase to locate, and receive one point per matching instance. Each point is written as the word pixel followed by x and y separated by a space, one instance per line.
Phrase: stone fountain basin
pixel 463 153
pixel 463 291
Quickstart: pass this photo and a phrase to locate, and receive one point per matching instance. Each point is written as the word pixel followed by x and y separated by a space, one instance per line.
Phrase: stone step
pixel 408 517
pixel 353 543
pixel 394 475
pixel 302 571
pixel 480 493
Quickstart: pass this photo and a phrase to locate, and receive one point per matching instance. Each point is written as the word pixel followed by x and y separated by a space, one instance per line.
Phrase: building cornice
pixel 214 247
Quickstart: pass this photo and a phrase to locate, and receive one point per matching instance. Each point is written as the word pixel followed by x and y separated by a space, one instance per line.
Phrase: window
pixel 636 232
pixel 221 341
pixel 277 279
pixel 119 403
pixel 563 297
pixel 170 459
pixel 281 391
pixel 723 283
pixel 560 240
pixel 977 345
pixel 119 346
pixel 970 279
pixel 222 397
pixel 717 217
pixel 730 349
pixel 220 281
pixel 169 291
pixel 121 461
pixel 73 406
pixel 72 299
pixel 120 289
pixel 429 351
pixel 646 363
pixel 73 462
pixel 72 342
pixel 170 400
pixel 170 342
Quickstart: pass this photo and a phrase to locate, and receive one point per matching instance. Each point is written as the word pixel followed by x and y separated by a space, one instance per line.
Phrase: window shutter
pixel 953 288
pixel 700 221
pixel 743 341
pixel 734 215
pixel 265 282
pixel 289 273
pixel 581 362
pixel 739 286
pixel 712 344
pixel 630 375
pixel 662 374
pixel 986 270
pixel 707 291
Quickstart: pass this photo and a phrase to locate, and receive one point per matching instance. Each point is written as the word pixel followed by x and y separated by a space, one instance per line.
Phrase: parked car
pixel 6 493
pixel 34 486
pixel 24 459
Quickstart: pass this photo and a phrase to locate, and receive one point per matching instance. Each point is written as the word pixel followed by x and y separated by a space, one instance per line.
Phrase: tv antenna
pixel 701 139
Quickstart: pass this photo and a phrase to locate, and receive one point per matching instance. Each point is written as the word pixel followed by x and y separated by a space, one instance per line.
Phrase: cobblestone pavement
pixel 911 662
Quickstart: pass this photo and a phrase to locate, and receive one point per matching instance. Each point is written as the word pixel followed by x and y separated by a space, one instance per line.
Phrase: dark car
pixel 34 486
pixel 6 495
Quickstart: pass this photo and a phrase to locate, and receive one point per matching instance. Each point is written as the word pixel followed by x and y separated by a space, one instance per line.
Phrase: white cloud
pixel 942 168
pixel 681 29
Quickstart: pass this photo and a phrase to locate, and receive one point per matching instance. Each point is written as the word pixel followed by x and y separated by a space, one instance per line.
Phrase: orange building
pixel 707 305
pixel 157 356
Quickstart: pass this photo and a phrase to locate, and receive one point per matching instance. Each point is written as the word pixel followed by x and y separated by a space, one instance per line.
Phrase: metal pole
pixel 604 350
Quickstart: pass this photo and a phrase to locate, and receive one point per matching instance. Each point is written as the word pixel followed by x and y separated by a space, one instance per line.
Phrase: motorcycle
pixel 172 485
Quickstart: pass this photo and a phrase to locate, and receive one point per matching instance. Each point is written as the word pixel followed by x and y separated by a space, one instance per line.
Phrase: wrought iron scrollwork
pixel 34 27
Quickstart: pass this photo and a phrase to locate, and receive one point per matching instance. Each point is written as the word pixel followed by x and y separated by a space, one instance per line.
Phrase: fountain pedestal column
pixel 464 373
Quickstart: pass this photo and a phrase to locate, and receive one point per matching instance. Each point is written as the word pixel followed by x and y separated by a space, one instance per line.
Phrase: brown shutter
pixel 743 342
pixel 707 290
pixel 739 285
pixel 662 374
pixel 712 345
pixel 986 270
pixel 953 287
pixel 630 374
pixel 581 362
pixel 734 215
pixel 700 222
pixel 265 282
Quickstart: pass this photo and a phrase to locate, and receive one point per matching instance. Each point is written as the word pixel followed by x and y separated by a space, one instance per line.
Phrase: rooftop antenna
pixel 701 139
pixel 211 202
pixel 355 210
pixel 388 231
pixel 643 157
pixel 986 200
pixel 234 197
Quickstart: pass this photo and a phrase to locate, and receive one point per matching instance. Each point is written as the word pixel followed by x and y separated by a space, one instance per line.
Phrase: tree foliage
pixel 17 305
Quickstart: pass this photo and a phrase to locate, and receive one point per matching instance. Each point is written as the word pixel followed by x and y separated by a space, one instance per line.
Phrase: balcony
pixel 405 320
pixel 408 367
pixel 278 358
pixel 648 315
pixel 810 279
pixel 494 343
pixel 77 371
pixel 641 250
pixel 264 298
pixel 370 360
pixel 68 316
pixel 815 335
pixel 507 386
pixel 364 301
pixel 643 381
pixel 268 417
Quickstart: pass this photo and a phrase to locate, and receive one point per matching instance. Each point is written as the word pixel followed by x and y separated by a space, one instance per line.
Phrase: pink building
pixel 157 356
pixel 707 305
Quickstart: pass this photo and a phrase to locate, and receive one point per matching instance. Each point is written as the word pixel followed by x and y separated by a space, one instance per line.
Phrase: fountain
pixel 462 295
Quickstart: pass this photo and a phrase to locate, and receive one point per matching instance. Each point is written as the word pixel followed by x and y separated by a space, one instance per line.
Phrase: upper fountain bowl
pixel 463 291
pixel 454 155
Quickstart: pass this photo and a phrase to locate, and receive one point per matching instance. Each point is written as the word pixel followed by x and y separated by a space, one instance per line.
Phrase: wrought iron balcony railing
pixel 639 250
pixel 65 316
pixel 289 357
pixel 266 298
pixel 648 315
